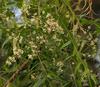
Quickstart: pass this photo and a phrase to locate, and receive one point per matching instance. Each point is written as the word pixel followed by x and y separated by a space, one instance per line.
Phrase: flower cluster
pixel 60 65
pixel 17 51
pixel 35 20
pixel 52 25
pixel 34 50
pixel 10 60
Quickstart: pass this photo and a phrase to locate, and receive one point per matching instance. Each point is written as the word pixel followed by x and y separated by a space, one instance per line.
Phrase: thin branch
pixel 12 78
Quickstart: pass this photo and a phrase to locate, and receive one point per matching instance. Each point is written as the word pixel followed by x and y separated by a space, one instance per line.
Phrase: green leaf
pixel 65 45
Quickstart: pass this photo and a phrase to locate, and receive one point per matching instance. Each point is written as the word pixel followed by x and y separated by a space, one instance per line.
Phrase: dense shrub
pixel 47 44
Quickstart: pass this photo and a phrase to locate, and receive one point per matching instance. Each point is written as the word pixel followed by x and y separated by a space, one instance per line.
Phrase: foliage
pixel 50 46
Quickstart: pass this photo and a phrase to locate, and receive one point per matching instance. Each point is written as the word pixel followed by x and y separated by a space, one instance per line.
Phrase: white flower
pixel 43 12
pixel 48 15
pixel 13 59
pixel 60 64
pixel 8 62
pixel 30 56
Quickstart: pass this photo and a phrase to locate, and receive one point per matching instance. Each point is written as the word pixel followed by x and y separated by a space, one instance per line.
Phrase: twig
pixel 12 78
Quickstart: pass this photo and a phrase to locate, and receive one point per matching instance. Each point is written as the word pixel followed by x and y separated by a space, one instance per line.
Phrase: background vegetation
pixel 49 45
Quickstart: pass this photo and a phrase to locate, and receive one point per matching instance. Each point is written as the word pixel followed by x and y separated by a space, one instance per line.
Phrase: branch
pixel 12 78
